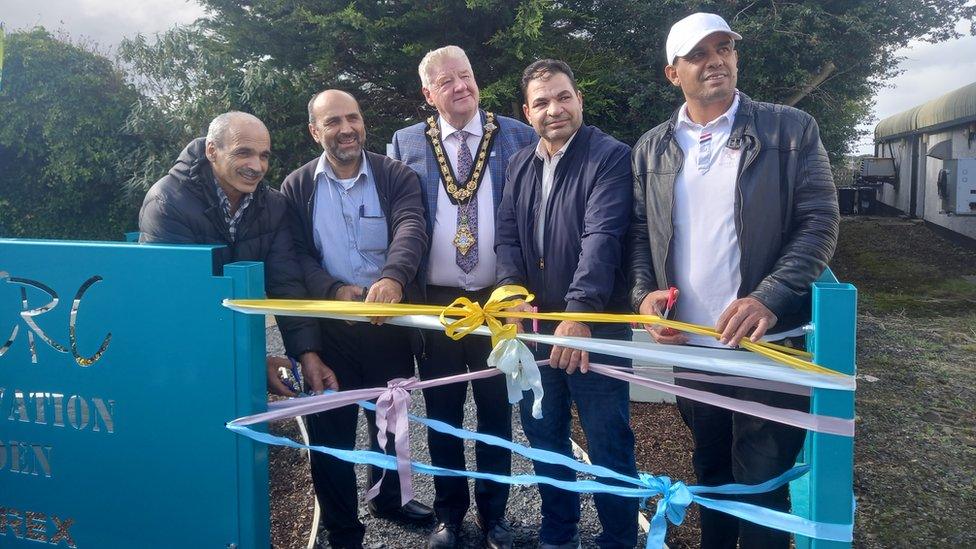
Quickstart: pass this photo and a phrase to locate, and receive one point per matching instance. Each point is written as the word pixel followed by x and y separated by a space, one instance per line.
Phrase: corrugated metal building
pixel 934 149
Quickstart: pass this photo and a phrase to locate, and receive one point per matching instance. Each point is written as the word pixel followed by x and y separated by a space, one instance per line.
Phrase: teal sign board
pixel 118 370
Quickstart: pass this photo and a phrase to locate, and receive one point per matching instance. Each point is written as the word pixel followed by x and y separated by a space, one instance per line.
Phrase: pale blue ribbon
pixel 675 496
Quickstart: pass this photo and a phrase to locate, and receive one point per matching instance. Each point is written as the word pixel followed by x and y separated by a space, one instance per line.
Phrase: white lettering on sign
pixel 25 458
pixel 35 527
pixel 83 413
pixel 28 315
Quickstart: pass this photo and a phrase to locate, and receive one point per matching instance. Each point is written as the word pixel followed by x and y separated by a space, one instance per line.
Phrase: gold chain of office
pixel 462 193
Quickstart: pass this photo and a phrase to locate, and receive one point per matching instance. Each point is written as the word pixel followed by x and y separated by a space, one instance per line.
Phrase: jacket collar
pixel 579 142
pixel 743 125
pixel 192 168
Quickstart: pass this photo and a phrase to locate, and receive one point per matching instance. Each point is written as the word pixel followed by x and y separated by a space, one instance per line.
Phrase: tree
pixel 188 76
pixel 827 57
pixel 63 108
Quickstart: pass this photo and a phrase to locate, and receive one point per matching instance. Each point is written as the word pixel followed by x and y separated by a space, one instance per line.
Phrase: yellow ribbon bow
pixel 472 315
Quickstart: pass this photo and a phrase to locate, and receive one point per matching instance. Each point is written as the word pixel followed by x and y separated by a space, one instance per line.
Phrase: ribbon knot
pixel 672 506
pixel 516 361
pixel 472 315
pixel 391 416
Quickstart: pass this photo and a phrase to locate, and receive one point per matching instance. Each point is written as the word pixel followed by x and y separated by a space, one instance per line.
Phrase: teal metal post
pixel 827 494
pixel 249 355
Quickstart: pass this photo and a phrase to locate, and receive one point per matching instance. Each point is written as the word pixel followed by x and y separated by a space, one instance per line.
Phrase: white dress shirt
pixel 548 176
pixel 442 268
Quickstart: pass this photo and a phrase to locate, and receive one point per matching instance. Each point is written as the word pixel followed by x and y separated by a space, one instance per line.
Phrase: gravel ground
pixel 292 503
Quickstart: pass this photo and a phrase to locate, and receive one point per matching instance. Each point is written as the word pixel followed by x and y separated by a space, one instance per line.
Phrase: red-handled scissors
pixel 672 299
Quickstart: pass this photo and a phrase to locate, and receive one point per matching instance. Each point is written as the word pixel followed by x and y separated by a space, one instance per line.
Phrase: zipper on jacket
pixel 667 251
pixel 674 181
pixel 744 163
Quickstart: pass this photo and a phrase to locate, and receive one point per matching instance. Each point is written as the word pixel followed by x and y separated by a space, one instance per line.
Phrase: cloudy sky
pixel 929 69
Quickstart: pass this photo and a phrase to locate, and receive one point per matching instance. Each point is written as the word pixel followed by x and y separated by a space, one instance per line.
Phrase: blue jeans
pixel 603 404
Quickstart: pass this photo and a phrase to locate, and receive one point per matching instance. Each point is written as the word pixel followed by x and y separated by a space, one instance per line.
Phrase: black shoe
pixel 446 535
pixel 573 543
pixel 413 512
pixel 322 543
pixel 498 532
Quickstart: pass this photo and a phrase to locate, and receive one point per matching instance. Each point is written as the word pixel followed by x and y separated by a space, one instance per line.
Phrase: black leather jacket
pixel 786 215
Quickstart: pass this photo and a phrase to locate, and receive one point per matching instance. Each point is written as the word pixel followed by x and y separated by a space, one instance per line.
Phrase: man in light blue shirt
pixel 360 235
pixel 348 215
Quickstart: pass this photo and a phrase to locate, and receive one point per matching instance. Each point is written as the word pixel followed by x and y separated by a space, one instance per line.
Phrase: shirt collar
pixel 323 167
pixel 225 200
pixel 543 153
pixel 728 116
pixel 473 127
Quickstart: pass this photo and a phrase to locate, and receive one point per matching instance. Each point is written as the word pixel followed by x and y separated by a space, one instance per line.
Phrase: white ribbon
pixel 516 361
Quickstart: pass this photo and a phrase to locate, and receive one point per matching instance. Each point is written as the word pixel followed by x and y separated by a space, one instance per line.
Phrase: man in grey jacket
pixel 734 204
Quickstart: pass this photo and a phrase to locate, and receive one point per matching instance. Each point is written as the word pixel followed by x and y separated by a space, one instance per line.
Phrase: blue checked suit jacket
pixel 410 147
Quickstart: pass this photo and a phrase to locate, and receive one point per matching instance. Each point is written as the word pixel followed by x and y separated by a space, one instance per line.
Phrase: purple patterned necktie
pixel 469 210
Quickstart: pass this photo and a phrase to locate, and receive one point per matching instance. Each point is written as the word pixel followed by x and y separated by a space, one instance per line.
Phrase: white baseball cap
pixel 687 33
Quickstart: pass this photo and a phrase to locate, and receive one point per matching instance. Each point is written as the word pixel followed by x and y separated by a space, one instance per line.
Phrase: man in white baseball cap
pixel 735 206
pixel 688 32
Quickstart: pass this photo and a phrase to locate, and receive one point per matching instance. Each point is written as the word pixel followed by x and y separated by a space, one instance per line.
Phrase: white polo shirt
pixel 706 253
pixel 705 247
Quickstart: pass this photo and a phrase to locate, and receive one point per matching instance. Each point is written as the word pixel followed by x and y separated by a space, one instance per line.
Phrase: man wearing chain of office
pixel 461 155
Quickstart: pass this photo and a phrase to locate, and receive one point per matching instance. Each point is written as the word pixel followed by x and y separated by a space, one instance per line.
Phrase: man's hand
pixel 384 290
pixel 520 308
pixel 350 292
pixel 746 316
pixel 653 304
pixel 566 358
pixel 318 376
pixel 275 385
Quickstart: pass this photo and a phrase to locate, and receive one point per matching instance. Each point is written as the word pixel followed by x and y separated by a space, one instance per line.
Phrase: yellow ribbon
pixel 470 315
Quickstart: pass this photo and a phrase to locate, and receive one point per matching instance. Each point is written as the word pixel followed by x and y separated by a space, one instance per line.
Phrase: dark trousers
pixel 442 357
pixel 361 355
pixel 603 404
pixel 731 447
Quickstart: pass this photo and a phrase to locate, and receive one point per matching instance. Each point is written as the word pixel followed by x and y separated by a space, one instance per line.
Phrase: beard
pixel 346 155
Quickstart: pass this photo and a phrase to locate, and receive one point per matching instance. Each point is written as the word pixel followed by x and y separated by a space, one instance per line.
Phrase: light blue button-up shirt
pixel 349 226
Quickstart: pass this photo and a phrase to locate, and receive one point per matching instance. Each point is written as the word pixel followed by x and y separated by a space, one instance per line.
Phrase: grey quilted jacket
pixel 786 215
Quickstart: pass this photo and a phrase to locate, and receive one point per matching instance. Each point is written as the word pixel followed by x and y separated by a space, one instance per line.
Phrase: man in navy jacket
pixel 560 233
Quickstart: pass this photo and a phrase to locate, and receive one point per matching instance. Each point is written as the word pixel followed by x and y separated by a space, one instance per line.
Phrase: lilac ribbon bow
pixel 391 416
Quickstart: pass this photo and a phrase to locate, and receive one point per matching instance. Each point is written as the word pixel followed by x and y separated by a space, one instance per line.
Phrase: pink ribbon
pixel 392 406
pixel 391 416
pixel 796 418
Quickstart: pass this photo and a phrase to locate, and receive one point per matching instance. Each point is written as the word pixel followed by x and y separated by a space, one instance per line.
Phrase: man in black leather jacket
pixel 734 204
pixel 215 194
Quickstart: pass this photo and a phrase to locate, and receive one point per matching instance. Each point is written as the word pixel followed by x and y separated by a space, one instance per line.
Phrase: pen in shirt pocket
pixel 362 213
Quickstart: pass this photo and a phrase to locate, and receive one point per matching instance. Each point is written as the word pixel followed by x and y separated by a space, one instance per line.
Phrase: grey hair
pixel 217 131
pixel 435 57
pixel 311 103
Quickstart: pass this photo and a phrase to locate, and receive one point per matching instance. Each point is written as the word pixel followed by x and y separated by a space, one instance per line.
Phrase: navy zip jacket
pixel 587 219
